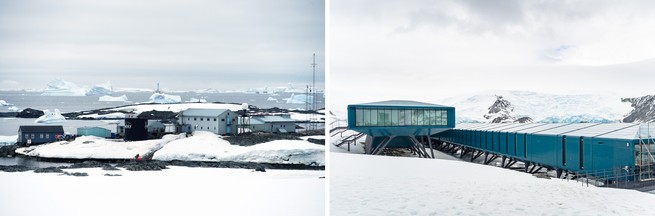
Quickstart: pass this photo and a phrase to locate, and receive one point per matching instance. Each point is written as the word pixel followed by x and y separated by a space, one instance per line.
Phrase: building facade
pixel 273 124
pixel 218 121
pixel 38 134
pixel 94 131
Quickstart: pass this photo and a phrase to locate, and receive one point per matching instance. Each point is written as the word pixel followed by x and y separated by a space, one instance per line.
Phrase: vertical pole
pixel 430 144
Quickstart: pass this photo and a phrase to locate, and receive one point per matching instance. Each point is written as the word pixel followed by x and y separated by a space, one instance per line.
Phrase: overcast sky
pixel 426 50
pixel 181 44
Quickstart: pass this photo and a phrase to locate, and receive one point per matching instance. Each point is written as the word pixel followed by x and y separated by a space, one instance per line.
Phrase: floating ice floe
pixel 196 100
pixel 122 98
pixel 165 98
pixel 4 103
pixel 13 108
pixel 272 99
pixel 299 99
pixel 51 117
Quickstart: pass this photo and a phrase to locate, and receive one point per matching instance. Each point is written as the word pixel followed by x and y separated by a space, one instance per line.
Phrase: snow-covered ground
pixel 202 146
pixel 174 191
pixel 205 146
pixel 92 147
pixel 103 116
pixel 383 185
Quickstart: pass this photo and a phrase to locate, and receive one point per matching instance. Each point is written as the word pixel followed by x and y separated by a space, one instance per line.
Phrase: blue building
pixel 94 131
pixel 38 134
pixel 399 124
pixel 616 149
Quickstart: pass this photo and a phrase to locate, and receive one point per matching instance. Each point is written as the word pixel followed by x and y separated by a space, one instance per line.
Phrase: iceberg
pixel 51 117
pixel 299 99
pixel 165 98
pixel 60 87
pixel 101 89
pixel 4 103
pixel 271 99
pixel 13 108
pixel 107 98
pixel 196 100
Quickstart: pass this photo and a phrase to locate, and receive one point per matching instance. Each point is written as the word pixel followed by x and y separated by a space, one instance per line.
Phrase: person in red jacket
pixel 138 157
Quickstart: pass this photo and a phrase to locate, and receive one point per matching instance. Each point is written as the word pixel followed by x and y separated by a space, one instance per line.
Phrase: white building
pixel 218 121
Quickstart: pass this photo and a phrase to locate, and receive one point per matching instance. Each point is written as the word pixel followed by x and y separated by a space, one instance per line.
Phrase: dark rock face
pixel 13 168
pixel 157 115
pixel 643 109
pixel 8 150
pixel 249 139
pixel 29 113
pixel 145 166
pixel 88 164
pixel 75 174
pixel 501 112
pixel 49 170
pixel 316 141
pixel 8 114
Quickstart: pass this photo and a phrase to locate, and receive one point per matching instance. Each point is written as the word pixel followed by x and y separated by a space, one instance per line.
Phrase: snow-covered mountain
pixel 61 87
pixel 644 109
pixel 540 107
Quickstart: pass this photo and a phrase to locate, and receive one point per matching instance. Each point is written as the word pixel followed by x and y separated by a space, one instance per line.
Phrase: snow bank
pixel 299 99
pixel 8 140
pixel 122 98
pixel 60 87
pixel 206 146
pixel 51 117
pixel 206 191
pixel 91 147
pixel 104 116
pixel 382 185
pixel 165 98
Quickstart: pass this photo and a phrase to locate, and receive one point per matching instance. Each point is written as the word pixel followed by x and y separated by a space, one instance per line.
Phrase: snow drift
pixel 206 146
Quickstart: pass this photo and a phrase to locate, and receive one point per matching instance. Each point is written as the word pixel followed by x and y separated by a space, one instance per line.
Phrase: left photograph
pixel 162 107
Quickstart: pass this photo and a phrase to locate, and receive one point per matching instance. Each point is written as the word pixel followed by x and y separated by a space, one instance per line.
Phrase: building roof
pixel 270 119
pixel 607 130
pixel 203 112
pixel 88 128
pixel 401 103
pixel 41 129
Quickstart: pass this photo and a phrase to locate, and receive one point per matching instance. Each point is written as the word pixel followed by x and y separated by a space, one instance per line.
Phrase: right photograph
pixel 491 107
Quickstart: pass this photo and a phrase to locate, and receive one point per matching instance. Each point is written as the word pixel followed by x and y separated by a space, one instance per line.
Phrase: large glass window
pixel 359 117
pixel 394 117
pixel 367 117
pixel 374 117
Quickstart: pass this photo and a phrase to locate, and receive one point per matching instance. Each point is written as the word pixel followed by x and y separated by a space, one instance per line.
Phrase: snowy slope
pixel 541 107
pixel 206 146
pixel 382 185
pixel 96 148
pixel 173 191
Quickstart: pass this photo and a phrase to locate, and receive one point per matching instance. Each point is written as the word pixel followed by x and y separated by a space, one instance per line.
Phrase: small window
pixel 32 136
pixel 47 136
pixel 214 128
pixel 222 120
pixel 201 128
pixel 214 119
pixel 27 136
pixel 188 119
pixel 41 136
pixel 195 119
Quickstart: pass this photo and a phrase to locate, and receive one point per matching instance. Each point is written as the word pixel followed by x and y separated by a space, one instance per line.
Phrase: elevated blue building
pixel 399 124
pixel 625 149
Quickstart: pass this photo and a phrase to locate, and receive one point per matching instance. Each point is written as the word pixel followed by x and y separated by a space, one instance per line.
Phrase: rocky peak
pixel 643 109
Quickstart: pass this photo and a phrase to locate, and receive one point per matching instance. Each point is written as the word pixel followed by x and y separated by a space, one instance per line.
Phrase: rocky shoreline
pixel 132 165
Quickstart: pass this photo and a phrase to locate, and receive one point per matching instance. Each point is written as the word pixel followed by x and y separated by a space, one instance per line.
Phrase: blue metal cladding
pixel 565 146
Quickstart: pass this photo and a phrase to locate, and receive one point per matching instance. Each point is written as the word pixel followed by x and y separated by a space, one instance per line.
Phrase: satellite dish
pixel 244 106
